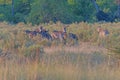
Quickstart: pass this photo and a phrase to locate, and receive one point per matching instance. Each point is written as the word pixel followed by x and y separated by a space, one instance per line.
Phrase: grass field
pixel 22 58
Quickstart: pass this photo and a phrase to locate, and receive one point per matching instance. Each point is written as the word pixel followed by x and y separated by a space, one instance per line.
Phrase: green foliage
pixel 66 12
pixel 42 11
pixel 106 5
pixel 71 2
pixel 5 13
pixel 46 11
pixel 2 16
pixel 18 18
pixel 83 10
pixel 5 1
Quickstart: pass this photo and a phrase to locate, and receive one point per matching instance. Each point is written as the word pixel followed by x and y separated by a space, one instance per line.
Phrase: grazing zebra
pixel 103 35
pixel 44 33
pixel 27 31
pixel 61 35
pixel 31 33
pixel 74 37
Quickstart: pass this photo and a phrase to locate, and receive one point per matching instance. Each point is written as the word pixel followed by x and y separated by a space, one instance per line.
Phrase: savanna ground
pixel 22 58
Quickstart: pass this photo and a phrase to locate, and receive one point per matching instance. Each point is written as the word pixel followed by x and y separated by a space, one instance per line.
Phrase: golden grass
pixel 22 58
pixel 57 71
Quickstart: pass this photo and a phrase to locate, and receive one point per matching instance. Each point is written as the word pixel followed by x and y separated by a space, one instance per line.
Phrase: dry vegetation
pixel 22 58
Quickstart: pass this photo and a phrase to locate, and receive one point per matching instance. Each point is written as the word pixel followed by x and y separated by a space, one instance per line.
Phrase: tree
pixel 117 13
pixel 45 11
pixel 102 15
pixel 82 10
pixel 66 11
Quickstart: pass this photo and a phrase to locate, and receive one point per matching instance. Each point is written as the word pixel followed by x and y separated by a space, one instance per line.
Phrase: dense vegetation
pixel 66 11
pixel 24 58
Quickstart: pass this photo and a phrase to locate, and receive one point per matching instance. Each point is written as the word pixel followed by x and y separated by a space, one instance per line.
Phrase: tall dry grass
pixel 22 58
pixel 62 66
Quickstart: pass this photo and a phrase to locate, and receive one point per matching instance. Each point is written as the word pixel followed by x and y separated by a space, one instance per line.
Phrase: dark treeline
pixel 66 11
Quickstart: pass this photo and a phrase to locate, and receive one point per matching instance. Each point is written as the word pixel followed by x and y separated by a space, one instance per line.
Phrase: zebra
pixel 44 33
pixel 60 35
pixel 102 35
pixel 31 33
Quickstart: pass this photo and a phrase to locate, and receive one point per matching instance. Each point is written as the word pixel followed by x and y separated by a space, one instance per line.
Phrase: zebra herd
pixel 61 35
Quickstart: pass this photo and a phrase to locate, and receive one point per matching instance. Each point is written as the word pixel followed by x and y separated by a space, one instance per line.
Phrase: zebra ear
pixel 98 28
pixel 64 29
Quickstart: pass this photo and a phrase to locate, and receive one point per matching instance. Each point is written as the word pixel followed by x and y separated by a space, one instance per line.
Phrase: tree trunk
pixel 117 13
pixel 4 3
pixel 12 11
pixel 96 6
